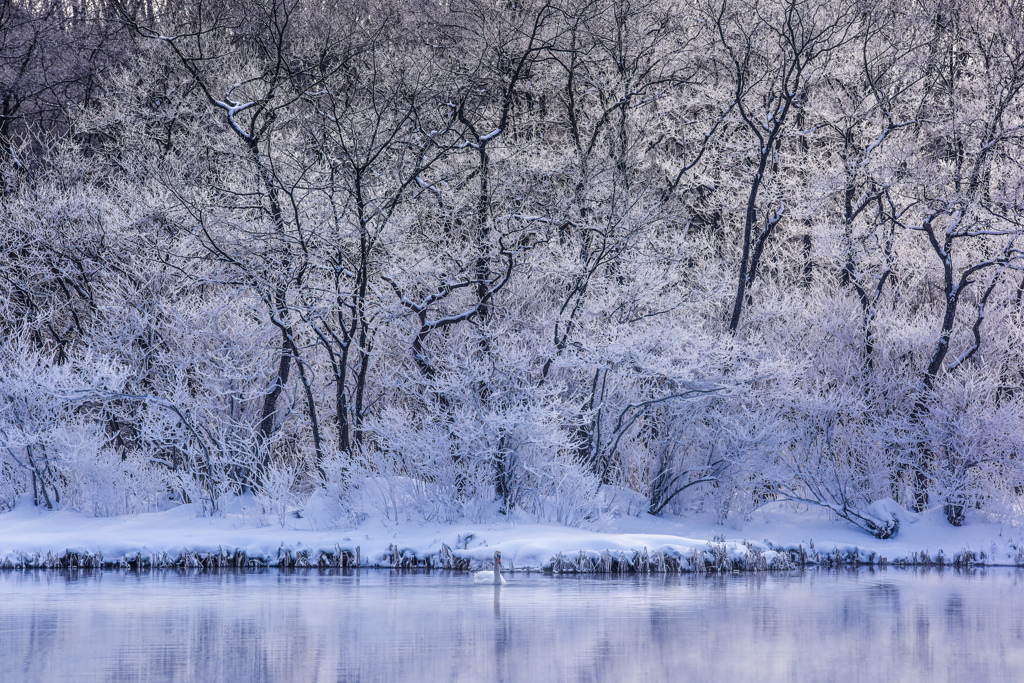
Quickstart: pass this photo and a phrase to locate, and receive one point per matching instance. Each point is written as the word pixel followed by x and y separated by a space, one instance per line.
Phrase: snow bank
pixel 775 538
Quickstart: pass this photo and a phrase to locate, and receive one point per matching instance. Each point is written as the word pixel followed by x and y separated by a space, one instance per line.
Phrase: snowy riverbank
pixel 773 538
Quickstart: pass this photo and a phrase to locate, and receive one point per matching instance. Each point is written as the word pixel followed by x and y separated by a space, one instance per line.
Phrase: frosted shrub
pixel 95 479
pixel 48 433
pixel 472 464
pixel 277 493
pixel 393 486
pixel 732 502
pixel 374 486
pixel 426 468
pixel 529 438
pixel 13 482
pixel 566 492
pixel 832 455
pixel 976 445
pixel 331 503
pixel 207 456
pixel 76 468
pixel 618 501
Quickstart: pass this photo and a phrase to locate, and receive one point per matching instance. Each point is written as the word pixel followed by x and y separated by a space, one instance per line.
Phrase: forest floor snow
pixel 775 536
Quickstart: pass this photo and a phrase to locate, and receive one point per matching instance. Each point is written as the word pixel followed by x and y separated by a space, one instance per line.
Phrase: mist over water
pixel 383 626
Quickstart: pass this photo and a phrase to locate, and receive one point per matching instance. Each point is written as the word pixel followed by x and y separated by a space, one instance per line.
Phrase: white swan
pixel 494 577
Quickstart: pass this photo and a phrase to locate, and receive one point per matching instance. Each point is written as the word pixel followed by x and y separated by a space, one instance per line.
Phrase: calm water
pixel 384 626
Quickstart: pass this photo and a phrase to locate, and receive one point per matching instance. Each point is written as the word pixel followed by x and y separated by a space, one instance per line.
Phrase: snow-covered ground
pixel 772 537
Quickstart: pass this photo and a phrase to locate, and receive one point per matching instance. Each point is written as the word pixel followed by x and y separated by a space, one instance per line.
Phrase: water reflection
pixel 379 625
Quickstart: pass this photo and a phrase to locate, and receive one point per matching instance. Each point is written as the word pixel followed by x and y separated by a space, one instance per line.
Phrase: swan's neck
pixel 497 571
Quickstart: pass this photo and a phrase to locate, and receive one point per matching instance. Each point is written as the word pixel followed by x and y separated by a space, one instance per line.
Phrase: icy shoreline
pixel 715 557
pixel 772 539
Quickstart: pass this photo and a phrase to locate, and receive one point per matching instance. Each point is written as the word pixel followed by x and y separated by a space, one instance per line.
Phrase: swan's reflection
pixel 502 635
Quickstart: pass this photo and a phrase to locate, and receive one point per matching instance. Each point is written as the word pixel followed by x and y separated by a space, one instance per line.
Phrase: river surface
pixel 378 625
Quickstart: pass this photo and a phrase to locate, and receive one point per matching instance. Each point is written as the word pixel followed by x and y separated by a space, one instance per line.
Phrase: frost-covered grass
pixel 250 531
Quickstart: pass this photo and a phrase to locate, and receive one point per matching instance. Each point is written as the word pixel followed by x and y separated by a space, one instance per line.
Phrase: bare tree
pixel 770 54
